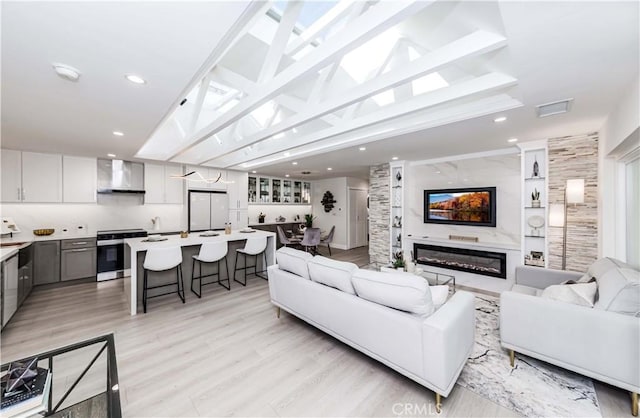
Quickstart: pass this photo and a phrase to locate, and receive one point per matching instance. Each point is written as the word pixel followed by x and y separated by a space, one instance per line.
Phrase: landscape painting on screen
pixel 461 206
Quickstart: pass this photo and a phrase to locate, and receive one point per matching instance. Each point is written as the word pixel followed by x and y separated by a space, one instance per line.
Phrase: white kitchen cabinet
pixel 41 177
pixel 196 183
pixel 160 187
pixel 238 189
pixel 11 172
pixel 10 289
pixel 239 218
pixel 79 179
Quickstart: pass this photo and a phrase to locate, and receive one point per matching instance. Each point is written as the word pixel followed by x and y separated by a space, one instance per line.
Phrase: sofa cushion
pixel 294 261
pixel 582 294
pixel 332 273
pixel 405 292
pixel 601 266
pixel 619 291
pixel 439 295
pixel 526 290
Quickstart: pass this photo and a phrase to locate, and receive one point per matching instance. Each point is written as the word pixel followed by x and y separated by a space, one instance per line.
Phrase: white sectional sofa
pixel 600 341
pixel 428 343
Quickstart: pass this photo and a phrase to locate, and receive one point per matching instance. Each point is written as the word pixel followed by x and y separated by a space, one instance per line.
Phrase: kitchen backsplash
pixel 273 211
pixel 94 217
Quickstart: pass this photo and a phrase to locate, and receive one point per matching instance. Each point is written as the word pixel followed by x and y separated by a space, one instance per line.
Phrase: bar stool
pixel 253 247
pixel 210 252
pixel 162 259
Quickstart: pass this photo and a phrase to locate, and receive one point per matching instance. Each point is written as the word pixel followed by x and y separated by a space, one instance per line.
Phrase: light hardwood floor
pixel 228 354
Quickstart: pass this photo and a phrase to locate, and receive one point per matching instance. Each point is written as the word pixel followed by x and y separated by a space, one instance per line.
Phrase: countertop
pixel 194 238
pixel 11 246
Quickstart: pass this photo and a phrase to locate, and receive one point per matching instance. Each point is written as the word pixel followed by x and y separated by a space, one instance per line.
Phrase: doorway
pixel 358 218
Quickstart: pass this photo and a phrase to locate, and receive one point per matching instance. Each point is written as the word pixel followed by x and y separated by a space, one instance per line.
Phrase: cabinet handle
pixel 78 250
pixel 80 243
pixel 18 193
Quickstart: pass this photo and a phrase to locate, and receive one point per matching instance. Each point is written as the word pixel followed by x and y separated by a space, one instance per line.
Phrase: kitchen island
pixel 190 246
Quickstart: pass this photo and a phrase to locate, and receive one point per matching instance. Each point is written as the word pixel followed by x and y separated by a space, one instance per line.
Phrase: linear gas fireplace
pixel 474 261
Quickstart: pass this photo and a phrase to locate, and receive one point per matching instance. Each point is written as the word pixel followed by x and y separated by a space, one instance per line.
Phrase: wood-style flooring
pixel 227 354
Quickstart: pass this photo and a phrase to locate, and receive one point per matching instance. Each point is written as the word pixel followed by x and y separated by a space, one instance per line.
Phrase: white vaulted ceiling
pixel 310 82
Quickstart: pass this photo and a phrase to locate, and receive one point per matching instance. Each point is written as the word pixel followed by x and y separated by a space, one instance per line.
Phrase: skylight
pixel 362 61
pixel 427 83
pixel 384 98
pixel 264 113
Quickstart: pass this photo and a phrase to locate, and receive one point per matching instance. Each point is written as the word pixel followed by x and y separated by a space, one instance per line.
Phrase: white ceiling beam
pixel 480 85
pixel 197 108
pixel 476 43
pixel 413 123
pixel 317 27
pixel 376 20
pixel 280 40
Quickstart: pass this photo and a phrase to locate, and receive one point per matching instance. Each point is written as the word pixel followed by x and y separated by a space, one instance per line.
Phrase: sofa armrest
pixel 601 344
pixel 448 337
pixel 540 278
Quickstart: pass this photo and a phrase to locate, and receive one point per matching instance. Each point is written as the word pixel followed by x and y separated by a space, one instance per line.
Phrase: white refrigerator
pixel 208 210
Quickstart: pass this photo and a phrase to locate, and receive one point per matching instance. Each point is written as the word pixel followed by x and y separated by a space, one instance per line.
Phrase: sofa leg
pixel 277 312
pixel 512 358
pixel 438 403
pixel 634 404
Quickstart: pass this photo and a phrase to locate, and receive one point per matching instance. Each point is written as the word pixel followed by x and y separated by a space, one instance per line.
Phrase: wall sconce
pixel 573 193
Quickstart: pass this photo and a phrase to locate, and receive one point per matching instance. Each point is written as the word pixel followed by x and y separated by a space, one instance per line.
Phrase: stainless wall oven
pixel 111 256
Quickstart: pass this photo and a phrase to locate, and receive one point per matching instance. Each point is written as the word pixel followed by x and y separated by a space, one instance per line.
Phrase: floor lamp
pixel 573 193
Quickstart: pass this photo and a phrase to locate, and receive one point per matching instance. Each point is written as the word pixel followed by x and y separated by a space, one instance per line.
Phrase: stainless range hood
pixel 119 176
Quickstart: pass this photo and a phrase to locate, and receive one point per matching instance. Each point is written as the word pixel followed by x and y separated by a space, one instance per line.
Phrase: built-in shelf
pixel 534 172
pixel 534 207
pixel 534 178
pixel 396 182
pixel 535 236
pixel 396 206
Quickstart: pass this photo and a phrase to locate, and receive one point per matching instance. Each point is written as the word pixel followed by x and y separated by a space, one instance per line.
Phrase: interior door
pixel 199 211
pixel 219 214
pixel 358 218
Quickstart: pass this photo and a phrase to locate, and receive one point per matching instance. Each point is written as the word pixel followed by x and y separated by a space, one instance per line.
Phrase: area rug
pixel 533 388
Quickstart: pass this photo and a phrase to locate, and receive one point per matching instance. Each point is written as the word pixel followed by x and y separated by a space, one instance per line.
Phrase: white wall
pixel 619 135
pixel 338 216
pixel 502 172
pixel 274 210
pixel 29 216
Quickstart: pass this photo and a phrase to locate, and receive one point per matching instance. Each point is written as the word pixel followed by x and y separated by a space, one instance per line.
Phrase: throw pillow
pixel 332 273
pixel 405 292
pixel 439 295
pixel 294 261
pixel 582 294
pixel 619 291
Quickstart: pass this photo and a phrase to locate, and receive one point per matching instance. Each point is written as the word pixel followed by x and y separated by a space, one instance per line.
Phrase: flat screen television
pixel 469 206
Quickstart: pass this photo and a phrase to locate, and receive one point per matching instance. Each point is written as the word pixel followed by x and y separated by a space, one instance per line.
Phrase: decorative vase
pixel 535 203
pixel 398 176
pixel 536 168
pixel 260 220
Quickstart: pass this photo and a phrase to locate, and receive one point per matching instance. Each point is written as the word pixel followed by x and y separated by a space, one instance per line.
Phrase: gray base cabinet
pixel 46 259
pixel 78 263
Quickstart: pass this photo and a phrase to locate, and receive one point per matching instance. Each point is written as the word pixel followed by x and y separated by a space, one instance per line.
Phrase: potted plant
pixel 535 198
pixel 308 220
pixel 398 260
pixel 261 218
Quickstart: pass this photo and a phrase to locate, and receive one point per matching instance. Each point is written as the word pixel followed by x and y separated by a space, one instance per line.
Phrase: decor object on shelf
pixel 261 218
pixel 467 206
pixel 398 176
pixel 281 219
pixel 308 220
pixel 327 201
pixel 43 232
pixel 397 221
pixel 536 222
pixel 398 260
pixel 535 198
pixel 156 223
pixel 184 234
pixel 536 168
pixel 535 258
pixel 573 193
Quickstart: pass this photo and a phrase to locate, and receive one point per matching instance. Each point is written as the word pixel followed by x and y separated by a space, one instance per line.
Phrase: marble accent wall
pixel 379 215
pixel 574 157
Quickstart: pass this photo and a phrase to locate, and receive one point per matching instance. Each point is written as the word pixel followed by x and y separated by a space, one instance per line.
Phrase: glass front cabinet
pixel 278 191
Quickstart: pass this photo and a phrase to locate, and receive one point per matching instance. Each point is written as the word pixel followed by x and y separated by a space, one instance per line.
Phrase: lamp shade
pixel 575 191
pixel 556 214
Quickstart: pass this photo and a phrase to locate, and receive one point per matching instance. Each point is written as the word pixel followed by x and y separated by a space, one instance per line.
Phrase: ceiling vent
pixel 554 108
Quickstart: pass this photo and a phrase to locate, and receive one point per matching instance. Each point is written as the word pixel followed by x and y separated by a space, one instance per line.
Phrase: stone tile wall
pixel 379 215
pixel 574 157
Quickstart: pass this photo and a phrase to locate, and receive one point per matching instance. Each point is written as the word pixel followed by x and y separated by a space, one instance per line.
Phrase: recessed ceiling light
pixel 394 158
pixel 118 133
pixel 295 130
pixel 135 79
pixel 295 163
pixel 111 155
pixel 67 72
pixel 286 154
pixel 329 168
pixel 500 119
pixel 362 148
pixel 437 172
pixel 512 140
pixel 254 171
pixel 286 175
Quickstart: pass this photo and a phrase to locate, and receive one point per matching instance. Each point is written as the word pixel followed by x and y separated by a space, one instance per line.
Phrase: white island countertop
pixel 142 244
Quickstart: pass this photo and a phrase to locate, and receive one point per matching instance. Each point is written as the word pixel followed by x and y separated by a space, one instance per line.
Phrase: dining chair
pixel 311 240
pixel 328 239
pixel 284 239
